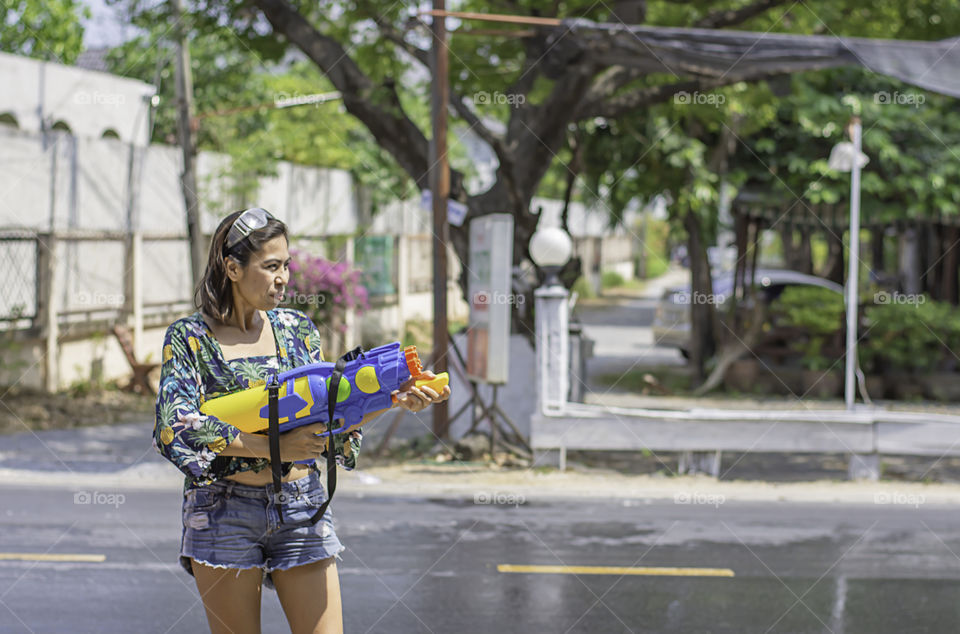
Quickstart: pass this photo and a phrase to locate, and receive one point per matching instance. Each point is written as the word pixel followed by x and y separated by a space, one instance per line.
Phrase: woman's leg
pixel 310 596
pixel 232 601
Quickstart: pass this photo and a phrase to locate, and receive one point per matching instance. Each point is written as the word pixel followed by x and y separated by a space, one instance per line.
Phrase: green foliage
pixel 43 29
pixel 916 336
pixel 10 362
pixel 583 288
pixel 912 138
pixel 611 279
pixel 229 77
pixel 782 142
pixel 655 248
pixel 817 312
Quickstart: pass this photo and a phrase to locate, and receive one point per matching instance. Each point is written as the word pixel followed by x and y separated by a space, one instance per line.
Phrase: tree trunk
pixel 702 313
pixel 791 246
pixel 806 251
pixel 834 269
pixel 930 260
pixel 876 250
pixel 909 261
pixel 948 289
pixel 741 226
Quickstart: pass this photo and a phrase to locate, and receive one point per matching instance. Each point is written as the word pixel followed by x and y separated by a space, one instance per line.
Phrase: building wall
pixel 39 94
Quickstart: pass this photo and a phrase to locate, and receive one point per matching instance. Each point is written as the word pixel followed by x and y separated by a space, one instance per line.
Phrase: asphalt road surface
pixel 442 565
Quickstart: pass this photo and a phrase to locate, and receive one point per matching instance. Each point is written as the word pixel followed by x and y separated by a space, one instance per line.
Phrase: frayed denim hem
pixel 268 580
pixel 185 561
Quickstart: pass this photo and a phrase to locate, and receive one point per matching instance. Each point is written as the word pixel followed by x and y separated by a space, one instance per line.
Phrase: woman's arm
pixel 248 446
pixel 181 434
pixel 301 443
pixel 411 398
pixel 366 419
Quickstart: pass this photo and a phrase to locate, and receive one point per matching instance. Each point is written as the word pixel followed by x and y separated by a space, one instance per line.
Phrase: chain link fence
pixel 18 275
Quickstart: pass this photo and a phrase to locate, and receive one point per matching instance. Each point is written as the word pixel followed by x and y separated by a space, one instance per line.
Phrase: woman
pixel 232 538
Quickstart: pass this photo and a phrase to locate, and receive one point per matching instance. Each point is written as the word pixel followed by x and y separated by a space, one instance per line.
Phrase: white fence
pixel 864 434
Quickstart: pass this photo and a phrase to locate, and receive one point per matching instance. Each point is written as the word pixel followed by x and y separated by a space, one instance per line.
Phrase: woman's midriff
pixel 266 476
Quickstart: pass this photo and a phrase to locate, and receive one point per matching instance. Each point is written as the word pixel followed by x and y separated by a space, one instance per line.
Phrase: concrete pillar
pixel 48 289
pixel 351 335
pixel 864 467
pixel 553 347
pixel 136 283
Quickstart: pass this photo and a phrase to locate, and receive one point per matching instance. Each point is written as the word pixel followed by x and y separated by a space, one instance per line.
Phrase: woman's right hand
pixel 302 443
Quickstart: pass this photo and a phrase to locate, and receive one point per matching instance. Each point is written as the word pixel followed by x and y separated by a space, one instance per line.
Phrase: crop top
pixel 194 370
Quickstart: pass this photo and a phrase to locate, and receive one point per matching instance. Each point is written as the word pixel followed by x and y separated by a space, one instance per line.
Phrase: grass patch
pixel 583 288
pixel 676 381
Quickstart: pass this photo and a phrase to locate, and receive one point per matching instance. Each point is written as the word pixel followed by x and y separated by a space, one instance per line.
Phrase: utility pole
pixel 188 178
pixel 440 186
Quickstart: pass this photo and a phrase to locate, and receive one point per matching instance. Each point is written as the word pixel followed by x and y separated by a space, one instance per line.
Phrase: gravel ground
pixel 24 410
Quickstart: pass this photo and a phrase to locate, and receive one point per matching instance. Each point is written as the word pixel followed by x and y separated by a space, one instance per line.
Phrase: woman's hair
pixel 214 293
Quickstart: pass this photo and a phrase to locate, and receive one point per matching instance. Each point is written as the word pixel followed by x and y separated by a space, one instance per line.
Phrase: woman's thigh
pixel 310 596
pixel 231 598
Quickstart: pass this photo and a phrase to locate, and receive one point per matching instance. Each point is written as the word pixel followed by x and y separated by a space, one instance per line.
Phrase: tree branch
pixel 642 97
pixel 730 17
pixel 456 101
pixel 610 81
pixel 540 130
pixel 377 107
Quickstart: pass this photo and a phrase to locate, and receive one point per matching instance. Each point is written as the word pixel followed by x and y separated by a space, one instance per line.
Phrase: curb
pixel 520 487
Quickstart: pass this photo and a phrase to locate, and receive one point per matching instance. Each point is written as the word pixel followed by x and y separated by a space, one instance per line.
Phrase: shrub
pixel 819 313
pixel 611 279
pixel 324 290
pixel 583 288
pixel 911 337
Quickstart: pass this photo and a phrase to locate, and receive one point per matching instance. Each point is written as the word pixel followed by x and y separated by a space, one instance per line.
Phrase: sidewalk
pixel 114 457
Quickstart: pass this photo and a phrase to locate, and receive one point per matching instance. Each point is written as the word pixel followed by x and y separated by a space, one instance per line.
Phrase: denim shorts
pixel 231 525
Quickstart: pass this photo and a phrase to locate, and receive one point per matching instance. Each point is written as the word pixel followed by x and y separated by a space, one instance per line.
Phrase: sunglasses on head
pixel 245 224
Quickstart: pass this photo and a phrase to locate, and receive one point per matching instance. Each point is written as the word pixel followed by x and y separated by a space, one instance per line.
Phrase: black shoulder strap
pixel 273 389
pixel 274 430
pixel 331 406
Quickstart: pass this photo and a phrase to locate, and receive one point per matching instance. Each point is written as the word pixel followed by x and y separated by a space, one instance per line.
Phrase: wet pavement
pixel 431 565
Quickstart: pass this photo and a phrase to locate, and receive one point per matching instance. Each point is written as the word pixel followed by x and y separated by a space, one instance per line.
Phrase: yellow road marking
pixel 618 570
pixel 50 557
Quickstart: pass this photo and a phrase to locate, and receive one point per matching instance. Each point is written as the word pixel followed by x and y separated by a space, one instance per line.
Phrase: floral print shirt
pixel 194 370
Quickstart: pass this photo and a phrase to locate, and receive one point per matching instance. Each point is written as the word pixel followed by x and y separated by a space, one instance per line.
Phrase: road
pixel 431 565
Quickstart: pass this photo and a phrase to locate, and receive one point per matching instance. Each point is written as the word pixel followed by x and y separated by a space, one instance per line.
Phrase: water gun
pixel 367 385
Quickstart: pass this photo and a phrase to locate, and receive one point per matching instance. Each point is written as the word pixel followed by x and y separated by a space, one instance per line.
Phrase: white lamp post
pixel 848 157
pixel 550 249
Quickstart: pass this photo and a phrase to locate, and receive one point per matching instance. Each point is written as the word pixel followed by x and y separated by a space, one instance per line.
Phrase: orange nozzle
pixel 413 361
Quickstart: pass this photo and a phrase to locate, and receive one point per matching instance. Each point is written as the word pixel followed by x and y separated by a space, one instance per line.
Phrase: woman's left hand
pixel 415 398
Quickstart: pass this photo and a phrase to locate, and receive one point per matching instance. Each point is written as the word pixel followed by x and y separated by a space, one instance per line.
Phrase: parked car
pixel 671 322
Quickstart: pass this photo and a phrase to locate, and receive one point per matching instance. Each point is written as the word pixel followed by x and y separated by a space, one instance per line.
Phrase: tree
pixel 43 29
pixel 535 103
pixel 911 138
pixel 522 88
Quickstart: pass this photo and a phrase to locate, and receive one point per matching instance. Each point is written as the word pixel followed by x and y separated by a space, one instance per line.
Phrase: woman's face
pixel 262 282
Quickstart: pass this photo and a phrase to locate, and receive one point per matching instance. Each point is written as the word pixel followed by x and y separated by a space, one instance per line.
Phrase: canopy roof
pixel 736 55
